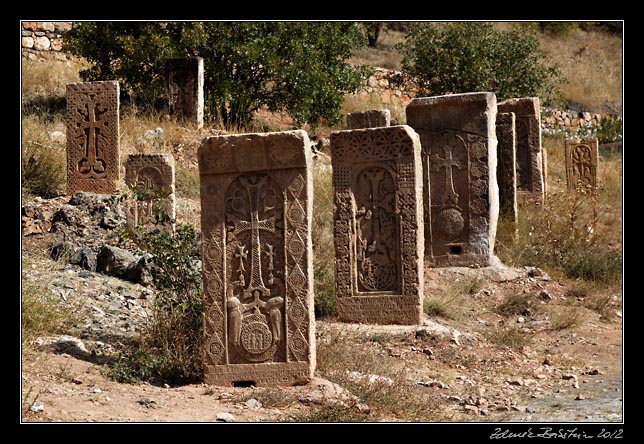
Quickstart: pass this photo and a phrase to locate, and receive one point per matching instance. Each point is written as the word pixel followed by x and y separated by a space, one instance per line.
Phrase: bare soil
pixel 570 374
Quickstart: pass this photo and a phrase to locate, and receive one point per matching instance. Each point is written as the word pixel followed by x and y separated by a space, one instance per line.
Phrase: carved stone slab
pixel 506 168
pixel 93 137
pixel 184 83
pixel 372 118
pixel 378 218
pixel 530 175
pixel 460 191
pixel 581 163
pixel 256 208
pixel 151 177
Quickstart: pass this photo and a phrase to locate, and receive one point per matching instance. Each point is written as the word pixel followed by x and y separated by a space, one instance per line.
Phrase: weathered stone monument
pixel 581 163
pixel 378 218
pixel 506 167
pixel 460 191
pixel 151 178
pixel 529 166
pixel 256 208
pixel 93 137
pixel 184 83
pixel 372 118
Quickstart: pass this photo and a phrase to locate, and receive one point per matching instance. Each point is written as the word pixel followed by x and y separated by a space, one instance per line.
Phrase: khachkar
pixel 93 137
pixel 529 166
pixel 459 155
pixel 372 118
pixel 581 163
pixel 506 170
pixel 184 83
pixel 378 218
pixel 151 179
pixel 256 207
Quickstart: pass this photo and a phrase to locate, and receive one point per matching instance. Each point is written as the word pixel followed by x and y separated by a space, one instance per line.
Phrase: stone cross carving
pixel 581 163
pixel 256 200
pixel 459 184
pixel 436 163
pixel 377 186
pixel 93 137
pixel 151 177
pixel 529 152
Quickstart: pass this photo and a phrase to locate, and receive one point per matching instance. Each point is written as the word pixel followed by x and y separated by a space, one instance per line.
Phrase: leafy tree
pixel 472 56
pixel 297 67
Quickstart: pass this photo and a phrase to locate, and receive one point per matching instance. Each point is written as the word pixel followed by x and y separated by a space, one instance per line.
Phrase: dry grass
pixel 593 64
pixel 384 54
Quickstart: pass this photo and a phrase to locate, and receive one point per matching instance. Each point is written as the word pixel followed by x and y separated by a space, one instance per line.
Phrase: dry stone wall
pixel 43 40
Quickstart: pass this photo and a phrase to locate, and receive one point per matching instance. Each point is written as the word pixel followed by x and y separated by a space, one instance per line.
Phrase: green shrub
pixel 467 57
pixel 170 347
pixel 44 163
pixel 298 67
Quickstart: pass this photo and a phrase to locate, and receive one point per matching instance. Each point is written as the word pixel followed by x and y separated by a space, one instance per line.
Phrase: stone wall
pixel 392 87
pixel 43 40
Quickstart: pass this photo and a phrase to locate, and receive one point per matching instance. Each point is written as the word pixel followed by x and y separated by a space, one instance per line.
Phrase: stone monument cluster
pixel 428 193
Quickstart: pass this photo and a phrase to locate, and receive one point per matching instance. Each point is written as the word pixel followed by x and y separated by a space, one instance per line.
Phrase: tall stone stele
pixel 461 195
pixel 581 163
pixel 506 168
pixel 184 84
pixel 151 179
pixel 530 163
pixel 93 137
pixel 256 208
pixel 378 225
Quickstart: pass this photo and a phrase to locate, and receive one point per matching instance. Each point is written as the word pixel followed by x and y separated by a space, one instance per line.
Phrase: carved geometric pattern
pixel 378 225
pixel 259 302
pixel 93 137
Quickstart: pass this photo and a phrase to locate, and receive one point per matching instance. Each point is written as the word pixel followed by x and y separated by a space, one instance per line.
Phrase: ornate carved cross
pixel 256 285
pixel 436 163
pixel 92 124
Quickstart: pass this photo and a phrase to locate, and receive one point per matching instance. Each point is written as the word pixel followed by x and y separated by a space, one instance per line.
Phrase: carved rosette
pixel 258 288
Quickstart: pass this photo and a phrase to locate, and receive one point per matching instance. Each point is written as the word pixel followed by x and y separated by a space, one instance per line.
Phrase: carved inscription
pixel 92 137
pixel 581 163
pixel 257 257
pixel 378 225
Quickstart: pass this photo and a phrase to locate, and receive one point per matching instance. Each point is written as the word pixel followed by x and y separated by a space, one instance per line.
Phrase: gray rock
pixel 61 249
pixel 115 261
pixel 85 258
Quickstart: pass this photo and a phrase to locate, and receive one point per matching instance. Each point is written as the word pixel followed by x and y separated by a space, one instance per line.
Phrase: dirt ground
pixel 570 374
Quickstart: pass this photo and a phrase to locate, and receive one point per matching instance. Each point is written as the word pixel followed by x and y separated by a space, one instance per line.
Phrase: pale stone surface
pixel 256 209
pixel 93 137
pixel 460 190
pixel 529 155
pixel 151 178
pixel 184 83
pixel 581 163
pixel 372 118
pixel 42 43
pixel 27 42
pixel 506 168
pixel 378 219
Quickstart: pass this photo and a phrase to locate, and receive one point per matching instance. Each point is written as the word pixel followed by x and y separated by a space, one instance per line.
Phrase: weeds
pixel 567 318
pixel 453 302
pixel 509 336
